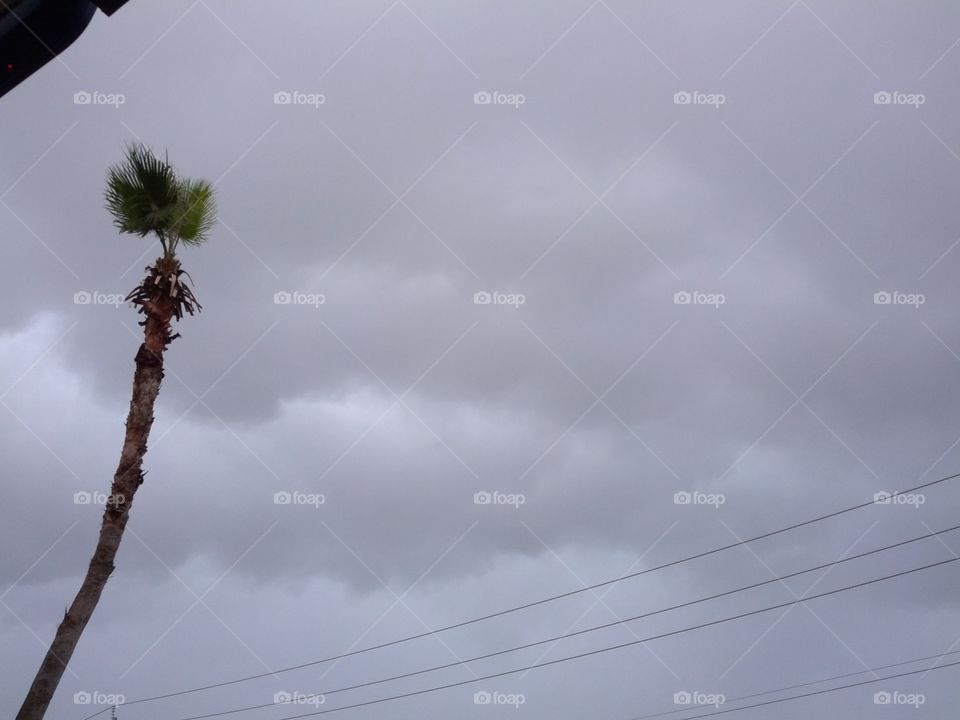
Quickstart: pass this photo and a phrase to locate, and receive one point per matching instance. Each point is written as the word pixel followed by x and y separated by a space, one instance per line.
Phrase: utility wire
pixel 621 621
pixel 99 712
pixel 938 656
pixel 597 651
pixel 500 613
pixel 812 693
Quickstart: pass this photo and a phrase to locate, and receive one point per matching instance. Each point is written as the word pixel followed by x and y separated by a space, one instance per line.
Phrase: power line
pixel 517 608
pixel 809 694
pixel 938 656
pixel 99 712
pixel 597 651
pixel 621 621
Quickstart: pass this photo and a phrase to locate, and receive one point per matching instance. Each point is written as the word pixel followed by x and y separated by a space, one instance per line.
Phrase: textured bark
pixel 129 477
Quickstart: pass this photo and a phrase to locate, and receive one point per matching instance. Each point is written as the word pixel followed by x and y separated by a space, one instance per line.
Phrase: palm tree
pixel 145 196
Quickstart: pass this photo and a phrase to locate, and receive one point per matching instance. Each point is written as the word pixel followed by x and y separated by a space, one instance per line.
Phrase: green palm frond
pixel 195 213
pixel 141 192
pixel 145 196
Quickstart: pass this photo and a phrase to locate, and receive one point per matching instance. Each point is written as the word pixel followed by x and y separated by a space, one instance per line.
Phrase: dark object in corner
pixel 34 32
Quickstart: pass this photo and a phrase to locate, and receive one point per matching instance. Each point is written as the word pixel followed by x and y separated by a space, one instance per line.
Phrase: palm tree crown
pixel 145 195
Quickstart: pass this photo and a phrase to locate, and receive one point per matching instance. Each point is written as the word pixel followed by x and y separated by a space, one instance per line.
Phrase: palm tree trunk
pixel 129 477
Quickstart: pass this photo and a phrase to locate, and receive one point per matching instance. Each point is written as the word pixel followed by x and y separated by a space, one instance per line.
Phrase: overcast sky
pixel 582 256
